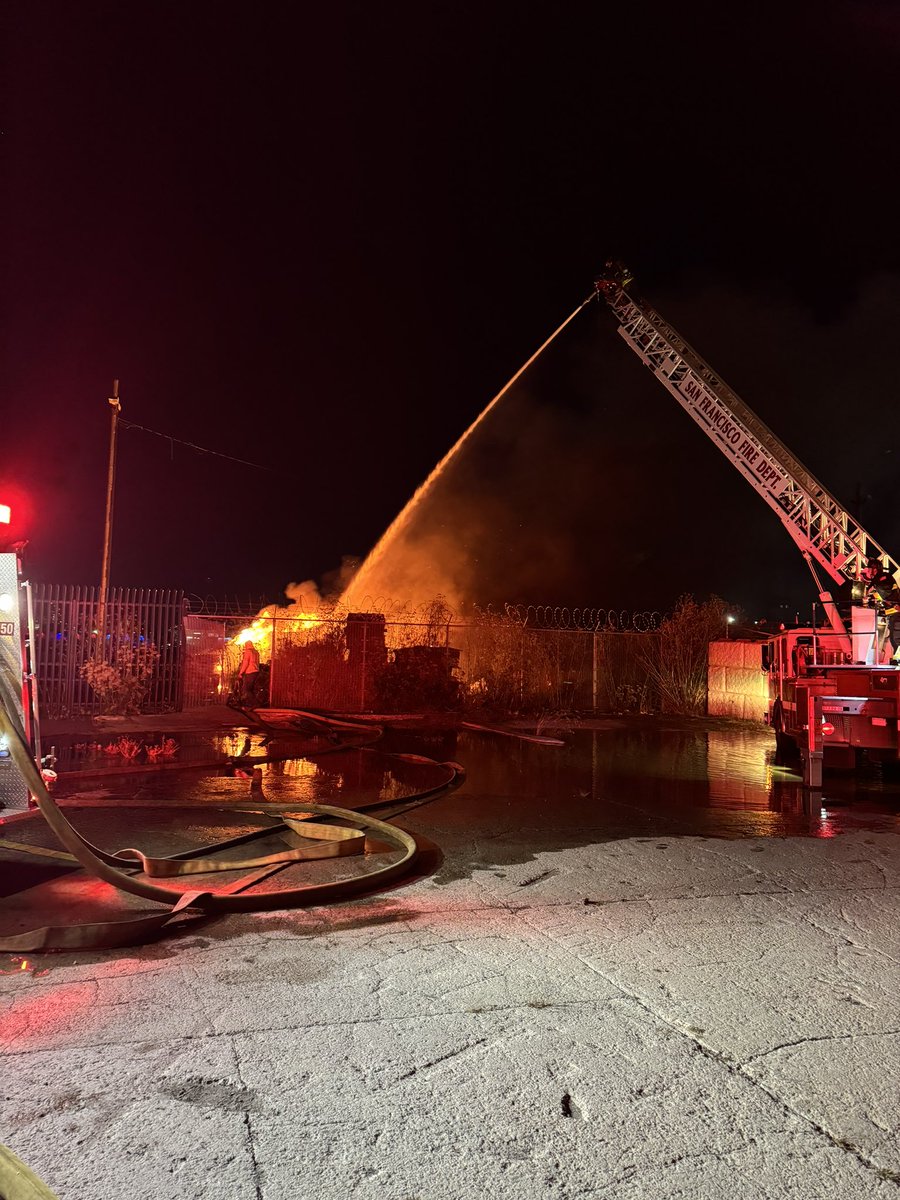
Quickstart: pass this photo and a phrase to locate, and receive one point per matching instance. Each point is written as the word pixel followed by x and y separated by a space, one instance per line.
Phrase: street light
pixel 729 621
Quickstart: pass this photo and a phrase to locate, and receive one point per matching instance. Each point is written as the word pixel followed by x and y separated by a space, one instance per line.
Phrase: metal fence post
pixel 595 674
pixel 272 662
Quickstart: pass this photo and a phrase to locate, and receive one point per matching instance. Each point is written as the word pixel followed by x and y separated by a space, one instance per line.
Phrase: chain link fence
pixel 422 661
pixel 511 660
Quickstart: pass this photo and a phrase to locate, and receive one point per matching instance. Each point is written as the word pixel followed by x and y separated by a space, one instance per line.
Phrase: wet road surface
pixel 625 778
pixel 653 781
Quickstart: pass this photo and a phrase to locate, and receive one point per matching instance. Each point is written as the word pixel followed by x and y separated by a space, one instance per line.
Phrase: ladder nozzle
pixel 614 278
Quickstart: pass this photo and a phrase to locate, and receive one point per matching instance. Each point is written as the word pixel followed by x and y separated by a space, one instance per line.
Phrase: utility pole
pixel 116 408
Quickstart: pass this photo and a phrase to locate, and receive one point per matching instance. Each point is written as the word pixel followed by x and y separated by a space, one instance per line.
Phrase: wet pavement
pixel 623 778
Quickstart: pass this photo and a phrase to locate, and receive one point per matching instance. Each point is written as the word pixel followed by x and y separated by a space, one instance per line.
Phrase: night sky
pixel 321 239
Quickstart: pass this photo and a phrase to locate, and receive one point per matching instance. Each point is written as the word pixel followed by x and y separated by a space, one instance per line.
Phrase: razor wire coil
pixel 583 620
pixel 438 612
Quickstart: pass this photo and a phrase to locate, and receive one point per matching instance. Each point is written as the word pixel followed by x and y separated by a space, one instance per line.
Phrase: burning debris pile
pixel 327 657
pixel 424 660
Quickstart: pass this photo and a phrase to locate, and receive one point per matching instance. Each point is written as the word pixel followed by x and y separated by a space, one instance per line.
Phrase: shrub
pixel 679 666
pixel 121 685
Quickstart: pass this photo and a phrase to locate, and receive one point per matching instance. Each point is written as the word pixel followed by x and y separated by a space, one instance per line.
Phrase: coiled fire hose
pixel 117 869
pixel 17 1181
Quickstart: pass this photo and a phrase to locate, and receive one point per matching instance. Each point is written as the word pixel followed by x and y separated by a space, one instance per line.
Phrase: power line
pixel 193 446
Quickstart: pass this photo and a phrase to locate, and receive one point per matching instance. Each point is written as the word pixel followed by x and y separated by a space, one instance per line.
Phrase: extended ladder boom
pixel 821 527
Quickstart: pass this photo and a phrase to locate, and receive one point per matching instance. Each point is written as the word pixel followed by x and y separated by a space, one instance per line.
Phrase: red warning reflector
pixel 827 727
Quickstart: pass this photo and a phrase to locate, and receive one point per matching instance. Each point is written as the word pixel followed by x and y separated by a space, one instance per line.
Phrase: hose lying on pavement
pixel 118 869
pixel 538 738
pixel 18 1182
pixel 308 721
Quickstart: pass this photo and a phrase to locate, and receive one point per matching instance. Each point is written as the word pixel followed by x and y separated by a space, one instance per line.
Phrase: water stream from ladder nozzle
pixel 361 586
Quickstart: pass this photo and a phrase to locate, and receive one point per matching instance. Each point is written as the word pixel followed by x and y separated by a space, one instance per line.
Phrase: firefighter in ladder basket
pixel 882 592
pixel 892 617
pixel 877 582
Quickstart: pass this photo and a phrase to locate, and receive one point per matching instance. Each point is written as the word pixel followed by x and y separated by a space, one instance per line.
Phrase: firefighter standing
pixel 248 672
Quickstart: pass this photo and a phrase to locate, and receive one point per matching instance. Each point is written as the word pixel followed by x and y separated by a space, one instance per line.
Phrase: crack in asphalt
pixel 833 1037
pixel 248 1126
pixel 442 1058
pixel 739 1069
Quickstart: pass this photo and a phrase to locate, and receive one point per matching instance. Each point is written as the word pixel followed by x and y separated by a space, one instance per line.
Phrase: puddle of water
pixel 100 751
pixel 342 778
pixel 629 778
pixel 636 778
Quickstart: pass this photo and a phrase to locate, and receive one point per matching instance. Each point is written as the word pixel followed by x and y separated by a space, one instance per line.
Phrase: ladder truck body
pixel 831 689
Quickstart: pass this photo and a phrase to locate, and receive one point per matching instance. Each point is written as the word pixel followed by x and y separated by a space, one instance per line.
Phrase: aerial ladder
pixel 833 543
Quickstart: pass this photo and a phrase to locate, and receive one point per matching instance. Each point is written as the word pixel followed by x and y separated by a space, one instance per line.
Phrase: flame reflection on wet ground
pixel 621 778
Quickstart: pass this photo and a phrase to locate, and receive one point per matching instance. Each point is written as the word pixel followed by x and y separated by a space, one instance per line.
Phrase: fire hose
pixel 17 1182
pixel 309 720
pixel 118 869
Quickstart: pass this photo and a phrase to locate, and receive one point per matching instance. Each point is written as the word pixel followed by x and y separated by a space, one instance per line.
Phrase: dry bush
pixel 420 669
pixel 507 668
pixel 679 667
pixel 123 684
pixel 624 684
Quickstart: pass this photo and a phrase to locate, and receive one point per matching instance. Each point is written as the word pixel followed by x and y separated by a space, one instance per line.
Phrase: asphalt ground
pixel 553 1006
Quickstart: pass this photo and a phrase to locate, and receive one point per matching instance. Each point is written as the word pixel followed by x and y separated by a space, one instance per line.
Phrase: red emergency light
pixel 5 514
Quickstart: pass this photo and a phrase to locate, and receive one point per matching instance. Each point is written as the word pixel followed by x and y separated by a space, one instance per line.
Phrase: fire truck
pixel 17 671
pixel 833 692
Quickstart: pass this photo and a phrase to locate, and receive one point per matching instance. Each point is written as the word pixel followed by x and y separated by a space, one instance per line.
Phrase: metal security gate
pixel 68 620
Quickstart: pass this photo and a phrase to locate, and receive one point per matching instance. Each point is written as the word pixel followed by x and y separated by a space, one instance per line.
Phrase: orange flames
pixel 278 621
pixel 253 633
pixel 260 628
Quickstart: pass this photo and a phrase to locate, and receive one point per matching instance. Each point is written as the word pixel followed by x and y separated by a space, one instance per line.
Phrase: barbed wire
pixel 437 612
pixel 584 620
pixel 224 606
